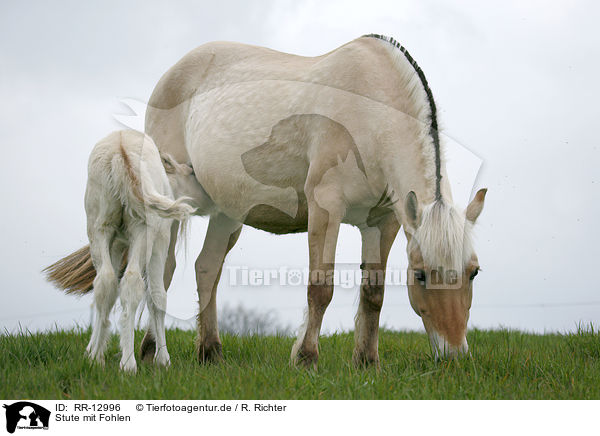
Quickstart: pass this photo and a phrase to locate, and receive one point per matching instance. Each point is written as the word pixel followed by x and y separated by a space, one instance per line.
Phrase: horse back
pixel 361 66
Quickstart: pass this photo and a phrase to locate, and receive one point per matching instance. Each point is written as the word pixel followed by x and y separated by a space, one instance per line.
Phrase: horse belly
pixel 248 179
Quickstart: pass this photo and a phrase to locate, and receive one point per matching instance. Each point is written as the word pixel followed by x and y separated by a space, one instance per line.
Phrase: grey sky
pixel 516 83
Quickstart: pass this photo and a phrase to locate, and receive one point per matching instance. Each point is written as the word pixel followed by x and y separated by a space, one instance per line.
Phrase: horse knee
pixel 159 300
pixel 104 285
pixel 132 288
pixel 372 296
pixel 320 295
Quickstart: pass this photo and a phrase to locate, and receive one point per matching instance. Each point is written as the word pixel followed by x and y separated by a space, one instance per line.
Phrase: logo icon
pixel 26 415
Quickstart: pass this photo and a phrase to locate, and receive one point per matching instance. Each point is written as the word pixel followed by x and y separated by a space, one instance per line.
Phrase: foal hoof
pixel 162 358
pixel 148 349
pixel 210 353
pixel 95 357
pixel 129 366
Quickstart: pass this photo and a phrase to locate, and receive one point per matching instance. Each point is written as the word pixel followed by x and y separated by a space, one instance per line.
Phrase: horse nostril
pixel 423 311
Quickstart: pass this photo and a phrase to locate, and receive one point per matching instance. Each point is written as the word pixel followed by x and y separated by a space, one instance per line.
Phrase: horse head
pixel 442 268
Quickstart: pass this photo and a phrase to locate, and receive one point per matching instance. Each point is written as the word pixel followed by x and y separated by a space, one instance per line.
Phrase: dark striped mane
pixel 433 123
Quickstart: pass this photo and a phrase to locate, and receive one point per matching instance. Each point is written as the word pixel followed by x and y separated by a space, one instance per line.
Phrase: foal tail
pixel 138 189
pixel 74 273
pixel 172 209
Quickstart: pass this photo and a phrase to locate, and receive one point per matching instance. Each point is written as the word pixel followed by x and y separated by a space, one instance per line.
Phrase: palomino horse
pixel 288 144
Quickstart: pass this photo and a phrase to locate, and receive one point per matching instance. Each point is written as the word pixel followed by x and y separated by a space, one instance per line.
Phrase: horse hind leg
pixel 131 291
pixel 157 298
pixel 148 347
pixel 105 292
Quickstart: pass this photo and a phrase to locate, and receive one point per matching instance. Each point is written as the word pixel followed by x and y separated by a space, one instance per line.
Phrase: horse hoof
pixel 129 367
pixel 306 359
pixel 95 357
pixel 162 359
pixel 210 353
pixel 363 359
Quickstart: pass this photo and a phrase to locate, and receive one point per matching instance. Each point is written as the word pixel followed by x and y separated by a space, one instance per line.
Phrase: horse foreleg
pixel 376 244
pixel 221 236
pixel 148 347
pixel 323 229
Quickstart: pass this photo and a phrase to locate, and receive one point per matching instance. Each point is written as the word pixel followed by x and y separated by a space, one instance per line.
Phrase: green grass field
pixel 503 365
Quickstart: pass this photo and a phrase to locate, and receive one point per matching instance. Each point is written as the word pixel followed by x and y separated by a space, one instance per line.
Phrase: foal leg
pixel 148 347
pixel 221 236
pixel 105 291
pixel 376 244
pixel 117 250
pixel 132 288
pixel 157 298
pixel 323 228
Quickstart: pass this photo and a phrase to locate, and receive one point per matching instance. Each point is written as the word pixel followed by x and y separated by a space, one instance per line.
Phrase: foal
pixel 130 207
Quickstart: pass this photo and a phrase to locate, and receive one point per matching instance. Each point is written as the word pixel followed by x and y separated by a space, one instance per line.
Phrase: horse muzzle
pixel 442 349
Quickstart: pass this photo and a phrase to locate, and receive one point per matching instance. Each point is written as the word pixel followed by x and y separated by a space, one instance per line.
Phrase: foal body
pixel 129 205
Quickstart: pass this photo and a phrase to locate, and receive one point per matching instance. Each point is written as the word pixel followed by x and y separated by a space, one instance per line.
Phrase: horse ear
pixel 476 206
pixel 411 207
pixel 172 166
pixel 167 163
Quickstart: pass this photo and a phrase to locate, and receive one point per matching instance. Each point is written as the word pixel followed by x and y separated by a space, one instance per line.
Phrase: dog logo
pixel 26 415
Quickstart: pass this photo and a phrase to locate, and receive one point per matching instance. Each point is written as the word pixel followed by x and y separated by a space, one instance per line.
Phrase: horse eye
pixel 420 275
pixel 474 273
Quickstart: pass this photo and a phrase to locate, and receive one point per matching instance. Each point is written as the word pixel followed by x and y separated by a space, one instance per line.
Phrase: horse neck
pixel 166 126
pixel 405 168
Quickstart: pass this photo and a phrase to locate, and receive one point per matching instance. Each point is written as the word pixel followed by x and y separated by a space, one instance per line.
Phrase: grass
pixel 503 365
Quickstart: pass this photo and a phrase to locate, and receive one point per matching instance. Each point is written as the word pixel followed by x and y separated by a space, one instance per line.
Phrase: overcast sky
pixel 516 84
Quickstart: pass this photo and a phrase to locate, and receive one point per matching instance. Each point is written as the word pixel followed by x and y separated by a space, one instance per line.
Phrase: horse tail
pixel 74 273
